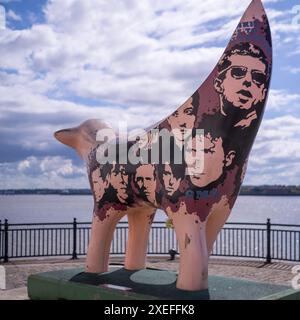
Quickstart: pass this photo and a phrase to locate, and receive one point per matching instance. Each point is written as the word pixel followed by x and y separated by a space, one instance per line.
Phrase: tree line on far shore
pixel 264 190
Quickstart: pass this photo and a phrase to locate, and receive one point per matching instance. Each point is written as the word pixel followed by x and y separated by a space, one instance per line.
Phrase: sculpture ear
pixel 67 136
pixel 229 158
pixel 218 85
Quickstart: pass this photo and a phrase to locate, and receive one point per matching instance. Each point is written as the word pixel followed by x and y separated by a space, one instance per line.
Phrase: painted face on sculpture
pixel 146 182
pixel 119 181
pixel 171 182
pixel 244 83
pixel 183 118
pixel 214 160
pixel 145 141
pixel 99 185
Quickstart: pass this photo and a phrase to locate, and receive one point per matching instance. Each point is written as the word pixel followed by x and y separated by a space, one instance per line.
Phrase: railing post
pixel 5 241
pixel 74 254
pixel 268 257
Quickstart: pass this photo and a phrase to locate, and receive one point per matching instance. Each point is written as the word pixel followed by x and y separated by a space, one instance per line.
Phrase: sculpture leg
pixel 193 265
pixel 139 223
pixel 215 221
pixel 100 241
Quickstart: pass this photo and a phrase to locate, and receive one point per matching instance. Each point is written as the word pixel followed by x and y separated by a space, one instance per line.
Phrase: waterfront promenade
pixel 17 272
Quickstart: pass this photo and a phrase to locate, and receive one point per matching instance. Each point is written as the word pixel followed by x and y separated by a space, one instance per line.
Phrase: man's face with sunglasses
pixel 244 83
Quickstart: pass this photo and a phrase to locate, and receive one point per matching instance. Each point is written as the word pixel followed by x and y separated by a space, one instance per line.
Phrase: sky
pixel 65 61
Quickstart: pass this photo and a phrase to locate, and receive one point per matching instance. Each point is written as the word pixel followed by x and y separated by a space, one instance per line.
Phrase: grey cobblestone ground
pixel 17 272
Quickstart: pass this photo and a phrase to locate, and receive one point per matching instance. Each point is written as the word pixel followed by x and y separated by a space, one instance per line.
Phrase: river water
pixel 57 208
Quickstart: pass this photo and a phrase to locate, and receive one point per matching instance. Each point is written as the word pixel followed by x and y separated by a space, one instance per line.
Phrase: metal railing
pixel 245 240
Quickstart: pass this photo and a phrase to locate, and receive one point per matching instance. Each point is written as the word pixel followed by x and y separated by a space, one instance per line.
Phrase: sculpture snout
pixel 67 136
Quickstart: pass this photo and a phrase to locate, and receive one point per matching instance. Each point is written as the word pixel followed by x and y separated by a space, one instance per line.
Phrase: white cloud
pixel 293 70
pixel 48 166
pixel 122 52
pixel 137 60
pixel 275 158
pixel 52 172
pixel 12 15
pixel 285 33
pixel 281 100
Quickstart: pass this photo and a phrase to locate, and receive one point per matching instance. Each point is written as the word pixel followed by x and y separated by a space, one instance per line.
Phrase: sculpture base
pixel 121 284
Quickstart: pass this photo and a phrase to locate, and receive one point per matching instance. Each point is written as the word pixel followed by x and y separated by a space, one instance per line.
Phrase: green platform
pixel 121 284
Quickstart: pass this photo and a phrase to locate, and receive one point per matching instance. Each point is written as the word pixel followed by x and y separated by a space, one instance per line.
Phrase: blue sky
pixel 27 13
pixel 65 61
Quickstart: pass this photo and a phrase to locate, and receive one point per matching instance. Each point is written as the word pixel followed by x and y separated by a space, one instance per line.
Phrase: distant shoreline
pixel 268 190
pixel 84 194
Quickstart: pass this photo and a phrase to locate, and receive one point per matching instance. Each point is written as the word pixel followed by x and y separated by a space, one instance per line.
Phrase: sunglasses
pixel 239 72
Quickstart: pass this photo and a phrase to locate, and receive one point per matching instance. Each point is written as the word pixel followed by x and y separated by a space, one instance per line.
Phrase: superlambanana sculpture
pixel 196 192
